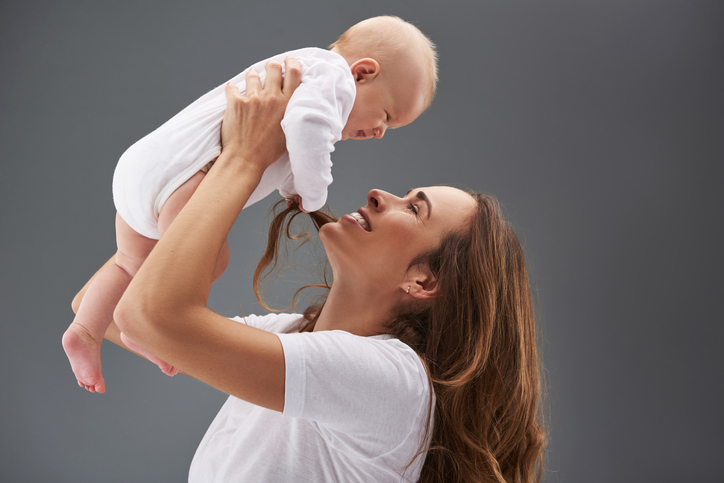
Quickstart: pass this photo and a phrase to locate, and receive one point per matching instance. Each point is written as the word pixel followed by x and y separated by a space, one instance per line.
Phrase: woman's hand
pixel 251 128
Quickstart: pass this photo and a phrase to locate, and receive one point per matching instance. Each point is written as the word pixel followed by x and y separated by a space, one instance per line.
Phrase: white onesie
pixel 158 164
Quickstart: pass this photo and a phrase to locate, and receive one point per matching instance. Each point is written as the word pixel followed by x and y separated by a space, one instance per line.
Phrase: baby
pixel 380 74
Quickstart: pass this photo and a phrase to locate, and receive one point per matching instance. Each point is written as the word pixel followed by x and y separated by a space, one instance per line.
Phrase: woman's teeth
pixel 360 219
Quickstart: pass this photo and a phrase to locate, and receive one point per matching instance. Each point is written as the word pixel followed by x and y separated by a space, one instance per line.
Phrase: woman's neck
pixel 359 310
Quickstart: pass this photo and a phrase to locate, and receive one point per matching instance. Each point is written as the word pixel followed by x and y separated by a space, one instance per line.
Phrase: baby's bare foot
pixel 84 353
pixel 165 367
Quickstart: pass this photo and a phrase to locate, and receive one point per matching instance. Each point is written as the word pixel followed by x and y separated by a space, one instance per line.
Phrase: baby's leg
pixel 82 341
pixel 171 208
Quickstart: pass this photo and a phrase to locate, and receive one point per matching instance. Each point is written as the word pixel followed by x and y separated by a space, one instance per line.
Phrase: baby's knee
pixel 128 264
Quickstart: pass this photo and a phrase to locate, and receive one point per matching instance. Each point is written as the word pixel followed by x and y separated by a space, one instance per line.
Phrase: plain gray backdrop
pixel 598 125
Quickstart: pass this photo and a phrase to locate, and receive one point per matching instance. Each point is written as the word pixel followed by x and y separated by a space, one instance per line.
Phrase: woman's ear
pixel 420 283
pixel 364 70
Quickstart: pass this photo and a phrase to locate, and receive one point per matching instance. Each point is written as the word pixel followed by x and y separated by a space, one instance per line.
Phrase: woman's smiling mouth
pixel 361 220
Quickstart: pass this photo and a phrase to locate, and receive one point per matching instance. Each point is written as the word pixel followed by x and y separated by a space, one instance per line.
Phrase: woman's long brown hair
pixel 478 341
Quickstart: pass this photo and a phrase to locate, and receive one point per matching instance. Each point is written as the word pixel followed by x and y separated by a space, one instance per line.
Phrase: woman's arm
pixel 164 308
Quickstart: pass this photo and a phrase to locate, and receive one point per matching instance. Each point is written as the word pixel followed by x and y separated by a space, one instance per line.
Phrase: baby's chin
pixel 356 134
pixel 349 133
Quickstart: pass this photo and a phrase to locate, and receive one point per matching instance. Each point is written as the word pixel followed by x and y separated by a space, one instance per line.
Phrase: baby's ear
pixel 364 70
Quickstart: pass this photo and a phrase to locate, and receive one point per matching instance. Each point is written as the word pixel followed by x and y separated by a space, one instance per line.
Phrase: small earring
pixel 408 290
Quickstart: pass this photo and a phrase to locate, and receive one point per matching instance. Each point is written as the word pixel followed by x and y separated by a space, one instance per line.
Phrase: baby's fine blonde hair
pixel 387 39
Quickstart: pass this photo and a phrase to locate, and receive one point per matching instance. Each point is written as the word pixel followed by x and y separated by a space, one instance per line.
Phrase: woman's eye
pixel 414 209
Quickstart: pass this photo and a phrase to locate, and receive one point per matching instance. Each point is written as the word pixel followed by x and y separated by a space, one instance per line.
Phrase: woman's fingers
pixel 253 82
pixel 292 78
pixel 230 90
pixel 251 122
pixel 231 123
pixel 293 75
pixel 273 76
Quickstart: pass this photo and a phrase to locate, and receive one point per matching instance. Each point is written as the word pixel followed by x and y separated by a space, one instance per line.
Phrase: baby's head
pixel 395 68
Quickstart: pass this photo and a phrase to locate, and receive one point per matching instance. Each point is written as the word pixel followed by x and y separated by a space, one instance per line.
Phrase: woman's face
pixel 378 243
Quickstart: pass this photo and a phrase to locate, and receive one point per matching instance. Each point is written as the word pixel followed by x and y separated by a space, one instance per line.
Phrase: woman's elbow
pixel 125 314
pixel 137 314
pixel 132 315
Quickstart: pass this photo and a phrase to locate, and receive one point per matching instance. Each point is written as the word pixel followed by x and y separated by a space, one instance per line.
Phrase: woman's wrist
pixel 237 164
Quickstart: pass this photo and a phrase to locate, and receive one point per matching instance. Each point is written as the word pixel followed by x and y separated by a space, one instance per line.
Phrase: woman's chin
pixel 328 237
pixel 323 231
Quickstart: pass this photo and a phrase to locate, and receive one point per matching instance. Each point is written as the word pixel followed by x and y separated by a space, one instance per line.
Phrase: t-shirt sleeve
pixel 375 388
pixel 315 116
pixel 278 323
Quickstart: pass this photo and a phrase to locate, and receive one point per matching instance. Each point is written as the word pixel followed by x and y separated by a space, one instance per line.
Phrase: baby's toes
pixel 93 385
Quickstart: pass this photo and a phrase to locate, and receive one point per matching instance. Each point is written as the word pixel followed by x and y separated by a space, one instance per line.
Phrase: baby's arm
pixel 313 122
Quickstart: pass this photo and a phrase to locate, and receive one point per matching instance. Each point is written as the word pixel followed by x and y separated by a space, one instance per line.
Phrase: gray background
pixel 598 125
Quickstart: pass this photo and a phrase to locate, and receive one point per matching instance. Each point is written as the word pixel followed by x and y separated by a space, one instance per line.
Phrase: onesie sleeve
pixel 366 386
pixel 315 116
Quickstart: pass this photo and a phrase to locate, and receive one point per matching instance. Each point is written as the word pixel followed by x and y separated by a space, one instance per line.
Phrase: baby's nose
pixel 379 132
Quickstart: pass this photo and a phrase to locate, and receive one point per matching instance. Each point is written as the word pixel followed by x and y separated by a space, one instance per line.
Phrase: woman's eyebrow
pixel 423 197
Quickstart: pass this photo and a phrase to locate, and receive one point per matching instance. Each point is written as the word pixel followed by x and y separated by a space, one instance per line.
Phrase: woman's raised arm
pixel 164 308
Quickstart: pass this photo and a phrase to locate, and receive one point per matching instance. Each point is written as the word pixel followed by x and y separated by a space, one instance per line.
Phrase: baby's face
pixel 381 104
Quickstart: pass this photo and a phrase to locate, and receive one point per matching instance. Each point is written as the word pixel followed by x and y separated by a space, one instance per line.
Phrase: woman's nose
pixel 377 199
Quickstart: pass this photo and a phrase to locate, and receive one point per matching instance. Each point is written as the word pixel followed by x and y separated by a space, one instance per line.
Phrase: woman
pixel 427 343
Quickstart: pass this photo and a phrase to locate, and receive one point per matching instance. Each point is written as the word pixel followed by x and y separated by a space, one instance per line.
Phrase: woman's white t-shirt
pixel 355 410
